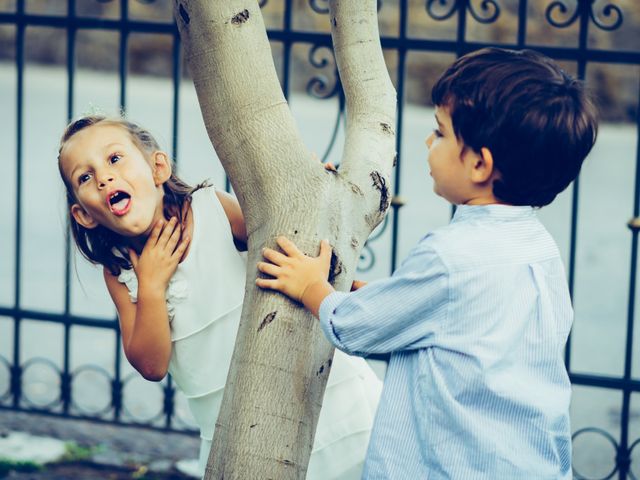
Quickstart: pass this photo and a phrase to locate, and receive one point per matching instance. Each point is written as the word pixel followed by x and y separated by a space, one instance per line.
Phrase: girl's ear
pixel 482 169
pixel 161 167
pixel 81 216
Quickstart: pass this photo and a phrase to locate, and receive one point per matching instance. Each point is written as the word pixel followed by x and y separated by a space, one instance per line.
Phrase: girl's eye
pixel 437 133
pixel 83 178
pixel 114 158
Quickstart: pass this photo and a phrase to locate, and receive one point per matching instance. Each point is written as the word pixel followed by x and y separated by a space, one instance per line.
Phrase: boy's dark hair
pixel 100 245
pixel 537 121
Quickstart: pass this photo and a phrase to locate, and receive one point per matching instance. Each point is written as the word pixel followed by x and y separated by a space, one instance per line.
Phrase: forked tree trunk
pixel 275 385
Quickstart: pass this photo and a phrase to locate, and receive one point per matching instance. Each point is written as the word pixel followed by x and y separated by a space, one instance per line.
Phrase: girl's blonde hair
pixel 100 245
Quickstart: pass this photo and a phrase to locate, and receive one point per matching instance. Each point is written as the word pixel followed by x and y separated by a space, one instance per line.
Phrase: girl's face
pixel 115 185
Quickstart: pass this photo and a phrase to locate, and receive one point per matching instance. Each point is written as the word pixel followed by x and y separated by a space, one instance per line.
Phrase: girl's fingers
pixel 273 256
pixel 288 246
pixel 182 247
pixel 133 256
pixel 155 233
pixel 269 268
pixel 174 238
pixel 271 284
pixel 167 232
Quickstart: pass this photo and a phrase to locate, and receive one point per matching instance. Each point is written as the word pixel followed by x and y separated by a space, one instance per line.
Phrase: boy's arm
pixel 298 276
pixel 236 219
pixel 402 312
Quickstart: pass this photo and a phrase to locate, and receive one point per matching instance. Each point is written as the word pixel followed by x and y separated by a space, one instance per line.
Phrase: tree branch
pixel 370 102
pixel 247 117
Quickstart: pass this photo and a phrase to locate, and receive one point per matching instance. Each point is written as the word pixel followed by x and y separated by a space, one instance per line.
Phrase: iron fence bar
pixel 408 43
pixel 286 46
pixel 116 385
pixel 82 23
pixel 603 381
pixel 624 452
pixel 116 388
pixel 65 377
pixel 522 24
pixel 176 77
pixel 575 187
pixel 16 371
pixel 58 318
pixel 402 59
pixel 102 421
pixel 461 29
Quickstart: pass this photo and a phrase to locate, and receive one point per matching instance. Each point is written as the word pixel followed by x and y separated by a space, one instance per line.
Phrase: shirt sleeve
pixel 402 312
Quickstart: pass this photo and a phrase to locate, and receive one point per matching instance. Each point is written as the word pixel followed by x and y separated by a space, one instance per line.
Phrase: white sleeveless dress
pixel 204 302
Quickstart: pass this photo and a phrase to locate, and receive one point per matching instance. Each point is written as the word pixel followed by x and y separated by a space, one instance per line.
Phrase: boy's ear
pixel 482 168
pixel 161 167
pixel 81 216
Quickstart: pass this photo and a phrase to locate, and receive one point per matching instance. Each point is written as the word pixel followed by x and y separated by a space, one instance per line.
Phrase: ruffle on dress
pixel 177 289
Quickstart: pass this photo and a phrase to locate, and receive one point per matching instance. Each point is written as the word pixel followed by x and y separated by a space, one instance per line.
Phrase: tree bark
pixel 275 386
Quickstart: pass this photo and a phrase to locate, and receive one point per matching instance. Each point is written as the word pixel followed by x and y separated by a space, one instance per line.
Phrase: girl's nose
pixel 105 179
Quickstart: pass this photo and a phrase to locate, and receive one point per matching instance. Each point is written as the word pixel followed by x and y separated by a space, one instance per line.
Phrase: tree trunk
pixel 275 386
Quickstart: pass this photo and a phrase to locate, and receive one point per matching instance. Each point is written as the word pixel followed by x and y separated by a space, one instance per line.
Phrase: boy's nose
pixel 429 140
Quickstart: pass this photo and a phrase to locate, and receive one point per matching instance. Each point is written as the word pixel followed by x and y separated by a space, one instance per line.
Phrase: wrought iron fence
pixel 583 16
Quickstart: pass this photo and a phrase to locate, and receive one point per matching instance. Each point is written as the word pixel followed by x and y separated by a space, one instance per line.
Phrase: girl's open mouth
pixel 119 202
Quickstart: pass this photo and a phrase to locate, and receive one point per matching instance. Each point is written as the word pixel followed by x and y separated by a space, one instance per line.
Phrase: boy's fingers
pixel 273 256
pixel 271 284
pixel 288 246
pixel 330 166
pixel 325 250
pixel 269 268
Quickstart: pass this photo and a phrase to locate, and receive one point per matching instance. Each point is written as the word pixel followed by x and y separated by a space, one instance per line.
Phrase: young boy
pixel 477 316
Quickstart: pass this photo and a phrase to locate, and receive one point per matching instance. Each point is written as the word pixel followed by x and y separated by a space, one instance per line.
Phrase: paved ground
pixel 112 452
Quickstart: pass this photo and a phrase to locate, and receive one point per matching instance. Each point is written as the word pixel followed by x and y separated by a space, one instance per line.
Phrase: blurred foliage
pixel 615 86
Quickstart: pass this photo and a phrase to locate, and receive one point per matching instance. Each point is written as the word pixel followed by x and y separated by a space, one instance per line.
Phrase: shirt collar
pixel 494 212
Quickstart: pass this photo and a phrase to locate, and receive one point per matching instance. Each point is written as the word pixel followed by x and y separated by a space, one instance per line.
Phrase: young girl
pixel 177 280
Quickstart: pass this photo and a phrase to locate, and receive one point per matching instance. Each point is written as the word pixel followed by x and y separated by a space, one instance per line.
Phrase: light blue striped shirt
pixel 476 320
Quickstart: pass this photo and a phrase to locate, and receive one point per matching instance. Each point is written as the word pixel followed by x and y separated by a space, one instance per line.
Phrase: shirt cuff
pixel 326 312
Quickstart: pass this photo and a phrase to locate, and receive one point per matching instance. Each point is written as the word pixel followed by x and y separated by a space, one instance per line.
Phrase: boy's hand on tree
pixel 357 284
pixel 297 275
pixel 161 254
pixel 330 167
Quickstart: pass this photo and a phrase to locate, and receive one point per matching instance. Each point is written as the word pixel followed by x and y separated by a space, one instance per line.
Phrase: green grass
pixel 7 466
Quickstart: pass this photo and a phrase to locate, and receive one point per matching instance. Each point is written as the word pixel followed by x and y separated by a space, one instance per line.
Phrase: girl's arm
pixel 146 337
pixel 236 219
pixel 144 327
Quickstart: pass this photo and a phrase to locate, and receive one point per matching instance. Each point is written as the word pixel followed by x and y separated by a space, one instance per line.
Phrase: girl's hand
pixel 295 274
pixel 161 254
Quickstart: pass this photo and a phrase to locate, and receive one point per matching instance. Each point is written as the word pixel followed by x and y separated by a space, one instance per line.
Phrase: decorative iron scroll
pixel 490 9
pixel 608 10
pixel 41 388
pixel 620 458
pixel 324 8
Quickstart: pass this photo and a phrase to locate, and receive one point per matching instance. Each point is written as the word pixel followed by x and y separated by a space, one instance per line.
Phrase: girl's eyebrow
pixel 111 145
